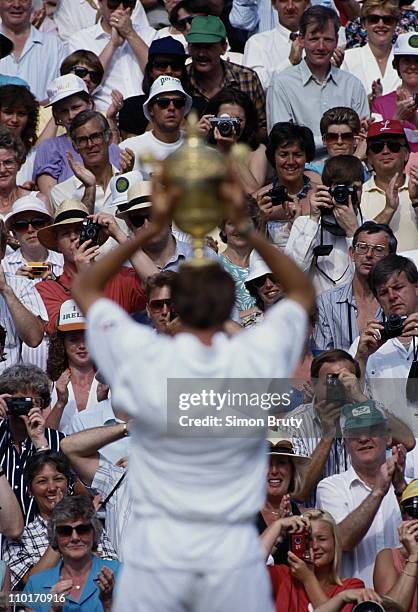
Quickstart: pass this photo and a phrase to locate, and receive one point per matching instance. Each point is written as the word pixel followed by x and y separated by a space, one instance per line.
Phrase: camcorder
pixel 300 545
pixel 227 126
pixel 278 194
pixel 19 406
pixel 89 231
pixel 393 326
pixel 335 389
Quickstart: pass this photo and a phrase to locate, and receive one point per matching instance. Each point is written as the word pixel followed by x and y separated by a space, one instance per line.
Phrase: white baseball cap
pixel 120 184
pixel 70 317
pixel 27 203
pixel 64 87
pixel 406 44
pixel 165 85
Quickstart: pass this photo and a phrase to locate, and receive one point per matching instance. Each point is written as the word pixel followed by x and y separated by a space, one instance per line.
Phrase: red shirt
pixel 125 289
pixel 290 594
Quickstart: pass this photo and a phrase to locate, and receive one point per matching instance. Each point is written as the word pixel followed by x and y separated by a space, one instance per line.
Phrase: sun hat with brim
pixel 209 29
pixel 6 46
pixel 406 44
pixel 257 268
pixel 139 198
pixel 167 46
pixel 120 184
pixel 70 317
pixel 284 448
pixel 29 203
pixel 165 85
pixel 65 86
pixel 361 415
pixel 69 211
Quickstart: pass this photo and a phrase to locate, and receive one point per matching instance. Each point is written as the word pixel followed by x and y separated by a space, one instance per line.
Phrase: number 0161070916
pixel 9 598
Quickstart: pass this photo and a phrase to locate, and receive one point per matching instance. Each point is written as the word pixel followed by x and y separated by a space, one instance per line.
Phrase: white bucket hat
pixel 120 184
pixel 64 87
pixel 26 204
pixel 406 44
pixel 70 317
pixel 257 268
pixel 165 85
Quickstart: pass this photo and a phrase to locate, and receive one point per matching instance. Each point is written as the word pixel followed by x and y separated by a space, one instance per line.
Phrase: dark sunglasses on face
pixel 138 220
pixel 164 64
pixel 114 4
pixel 164 103
pixel 394 146
pixel 261 280
pixel 333 137
pixel 182 23
pixel 36 223
pixel 82 72
pixel 387 20
pixel 66 531
pixel 157 305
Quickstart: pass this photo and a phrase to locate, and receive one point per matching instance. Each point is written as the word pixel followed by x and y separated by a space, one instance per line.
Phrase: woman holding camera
pixel 289 148
pixel 396 569
pixel 312 574
pixel 239 125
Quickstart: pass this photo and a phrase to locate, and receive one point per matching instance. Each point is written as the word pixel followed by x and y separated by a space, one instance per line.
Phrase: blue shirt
pixel 89 601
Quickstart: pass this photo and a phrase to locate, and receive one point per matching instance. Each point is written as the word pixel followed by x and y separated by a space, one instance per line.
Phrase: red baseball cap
pixel 385 128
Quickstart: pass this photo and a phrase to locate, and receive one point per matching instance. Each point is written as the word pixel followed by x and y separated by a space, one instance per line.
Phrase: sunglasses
pixel 164 103
pixel 82 72
pixel 114 4
pixel 260 281
pixel 386 19
pixel 333 137
pixel 394 146
pixel 182 23
pixel 138 220
pixel 158 305
pixel 23 224
pixel 168 63
pixel 66 531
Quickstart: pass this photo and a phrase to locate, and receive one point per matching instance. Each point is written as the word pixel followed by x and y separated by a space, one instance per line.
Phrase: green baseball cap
pixel 361 415
pixel 208 29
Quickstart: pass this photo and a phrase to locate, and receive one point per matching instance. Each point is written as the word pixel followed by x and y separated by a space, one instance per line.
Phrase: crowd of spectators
pixel 324 94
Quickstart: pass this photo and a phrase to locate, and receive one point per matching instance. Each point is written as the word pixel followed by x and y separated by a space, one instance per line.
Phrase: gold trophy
pixel 198 171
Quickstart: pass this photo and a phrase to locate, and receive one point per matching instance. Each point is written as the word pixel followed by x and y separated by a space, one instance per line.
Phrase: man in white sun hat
pixel 166 107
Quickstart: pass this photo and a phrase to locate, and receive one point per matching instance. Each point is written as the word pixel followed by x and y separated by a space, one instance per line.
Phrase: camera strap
pixel 115 488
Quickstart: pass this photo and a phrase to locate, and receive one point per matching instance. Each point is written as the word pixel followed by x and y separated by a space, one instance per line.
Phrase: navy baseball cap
pixel 166 46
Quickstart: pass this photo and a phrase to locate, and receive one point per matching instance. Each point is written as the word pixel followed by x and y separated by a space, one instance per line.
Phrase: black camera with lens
pixel 19 406
pixel 368 606
pixel 227 126
pixel 278 195
pixel 393 326
pixel 341 194
pixel 335 389
pixel 89 231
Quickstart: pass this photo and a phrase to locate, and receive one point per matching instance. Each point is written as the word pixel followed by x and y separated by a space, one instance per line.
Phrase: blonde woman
pixel 301 583
pixel 372 63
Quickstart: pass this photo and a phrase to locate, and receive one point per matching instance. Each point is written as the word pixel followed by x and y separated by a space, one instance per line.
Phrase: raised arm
pixel 11 519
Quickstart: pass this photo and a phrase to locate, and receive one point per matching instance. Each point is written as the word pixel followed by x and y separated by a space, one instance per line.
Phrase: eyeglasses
pixel 95 139
pixel 66 531
pixel 114 4
pixel 138 220
pixel 333 137
pixel 168 63
pixel 377 249
pixel 158 305
pixel 82 72
pixel 182 23
pixel 388 20
pixel 8 164
pixel 377 146
pixel 261 280
pixel 164 103
pixel 23 224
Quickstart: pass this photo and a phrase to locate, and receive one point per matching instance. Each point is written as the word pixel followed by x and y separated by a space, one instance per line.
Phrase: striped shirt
pixel 26 294
pixel 337 326
pixel 13 464
pixel 11 263
pixel 22 554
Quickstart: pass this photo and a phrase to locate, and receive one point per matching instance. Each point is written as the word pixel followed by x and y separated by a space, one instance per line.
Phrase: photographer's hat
pixel 69 211
pixel 164 85
pixel 139 197
pixel 361 415
pixel 70 317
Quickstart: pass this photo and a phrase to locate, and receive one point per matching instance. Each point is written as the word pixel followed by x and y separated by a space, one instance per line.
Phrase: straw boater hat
pixel 69 211
pixel 139 197
pixel 284 448
pixel 70 317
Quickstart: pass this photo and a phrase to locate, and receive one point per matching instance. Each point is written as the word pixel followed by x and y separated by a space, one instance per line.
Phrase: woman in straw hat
pixel 396 569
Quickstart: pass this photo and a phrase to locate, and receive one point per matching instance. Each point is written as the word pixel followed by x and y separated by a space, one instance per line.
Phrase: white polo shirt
pixel 267 52
pixel 195 498
pixel 343 493
pixel 123 72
